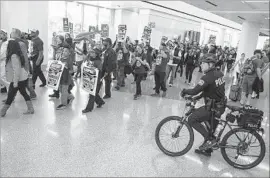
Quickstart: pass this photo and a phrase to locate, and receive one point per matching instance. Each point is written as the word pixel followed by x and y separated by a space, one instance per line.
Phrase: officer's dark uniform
pixel 212 86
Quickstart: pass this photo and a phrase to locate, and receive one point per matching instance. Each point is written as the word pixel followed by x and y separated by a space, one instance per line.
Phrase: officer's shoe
pixel 208 144
pixel 204 152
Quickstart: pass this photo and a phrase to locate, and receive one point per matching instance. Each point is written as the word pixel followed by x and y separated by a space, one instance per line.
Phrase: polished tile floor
pixel 117 140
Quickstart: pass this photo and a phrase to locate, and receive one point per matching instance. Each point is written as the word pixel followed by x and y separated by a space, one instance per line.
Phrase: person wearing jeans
pixel 172 65
pixel 190 66
pixel 17 76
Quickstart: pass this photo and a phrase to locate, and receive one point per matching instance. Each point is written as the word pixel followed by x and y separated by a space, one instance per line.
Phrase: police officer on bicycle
pixel 212 89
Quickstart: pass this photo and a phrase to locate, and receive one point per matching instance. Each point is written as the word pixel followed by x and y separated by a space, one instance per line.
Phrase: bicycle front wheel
pixel 243 148
pixel 174 137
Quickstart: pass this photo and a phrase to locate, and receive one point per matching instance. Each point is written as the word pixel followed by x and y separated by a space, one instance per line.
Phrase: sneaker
pixel 4 90
pixel 100 105
pixel 164 94
pixel 117 88
pixel 136 97
pixel 42 85
pixel 155 95
pixel 106 97
pixel 86 111
pixel 54 95
pixel 203 152
pixel 170 85
pixel 208 144
pixel 69 101
pixel 123 85
pixel 61 106
pixel 133 82
pixel 33 97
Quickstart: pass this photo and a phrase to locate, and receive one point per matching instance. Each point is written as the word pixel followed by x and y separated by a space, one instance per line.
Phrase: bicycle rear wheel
pixel 171 143
pixel 240 142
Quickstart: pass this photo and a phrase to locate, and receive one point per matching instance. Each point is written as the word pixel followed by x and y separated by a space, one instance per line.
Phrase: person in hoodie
pixel 16 34
pixel 94 60
pixel 139 64
pixel 17 76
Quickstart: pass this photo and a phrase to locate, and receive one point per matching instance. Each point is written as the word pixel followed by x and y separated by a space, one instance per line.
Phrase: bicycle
pixel 245 124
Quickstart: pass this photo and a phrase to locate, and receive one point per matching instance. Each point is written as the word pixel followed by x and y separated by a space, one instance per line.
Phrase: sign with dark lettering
pixel 65 25
pixel 55 70
pixel 122 30
pixel 146 33
pixel 104 30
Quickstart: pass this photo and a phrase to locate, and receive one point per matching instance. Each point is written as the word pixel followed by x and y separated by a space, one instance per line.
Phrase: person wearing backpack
pixel 251 71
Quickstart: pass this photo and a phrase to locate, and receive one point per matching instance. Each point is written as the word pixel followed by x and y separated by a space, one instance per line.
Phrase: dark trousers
pixel 189 72
pixel 160 81
pixel 12 92
pixel 197 117
pixel 180 65
pixel 79 68
pixel 139 78
pixel 108 81
pixel 37 72
pixel 92 99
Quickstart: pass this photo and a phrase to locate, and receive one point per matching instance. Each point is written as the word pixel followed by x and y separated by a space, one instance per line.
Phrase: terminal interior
pixel 118 140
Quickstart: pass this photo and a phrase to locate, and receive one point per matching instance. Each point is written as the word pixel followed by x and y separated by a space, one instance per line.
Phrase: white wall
pixel 131 19
pixel 26 15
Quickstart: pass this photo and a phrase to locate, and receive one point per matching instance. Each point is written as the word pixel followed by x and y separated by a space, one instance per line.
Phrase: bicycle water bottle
pixel 218 129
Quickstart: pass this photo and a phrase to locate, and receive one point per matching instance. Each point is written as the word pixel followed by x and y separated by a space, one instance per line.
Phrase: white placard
pixel 89 78
pixel 55 70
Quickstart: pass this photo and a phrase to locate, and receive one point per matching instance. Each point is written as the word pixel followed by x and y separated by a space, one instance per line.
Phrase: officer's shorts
pixel 247 84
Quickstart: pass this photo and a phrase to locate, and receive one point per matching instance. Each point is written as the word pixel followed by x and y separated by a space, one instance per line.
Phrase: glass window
pixel 104 16
pixel 90 17
pixel 57 11
pixel 74 15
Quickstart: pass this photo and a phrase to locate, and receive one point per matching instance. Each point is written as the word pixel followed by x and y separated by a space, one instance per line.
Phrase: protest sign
pixel 70 27
pixel 164 39
pixel 104 30
pixel 122 30
pixel 170 44
pixel 89 78
pixel 55 70
pixel 146 33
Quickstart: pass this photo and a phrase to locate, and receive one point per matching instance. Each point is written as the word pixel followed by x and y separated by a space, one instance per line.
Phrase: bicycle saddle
pixel 234 108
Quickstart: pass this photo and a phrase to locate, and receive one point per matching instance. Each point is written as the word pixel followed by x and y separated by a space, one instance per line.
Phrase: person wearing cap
pixel 3 51
pixel 109 61
pixel 37 57
pixel 94 60
pixel 212 89
pixel 16 34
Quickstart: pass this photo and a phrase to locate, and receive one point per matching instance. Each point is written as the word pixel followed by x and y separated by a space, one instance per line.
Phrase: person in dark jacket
pixel 94 60
pixel 190 65
pixel 109 59
pixel 160 71
pixel 122 62
pixel 212 89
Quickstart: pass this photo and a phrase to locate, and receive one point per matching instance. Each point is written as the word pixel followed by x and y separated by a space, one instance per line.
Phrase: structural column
pixel 248 39
pixel 221 36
